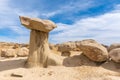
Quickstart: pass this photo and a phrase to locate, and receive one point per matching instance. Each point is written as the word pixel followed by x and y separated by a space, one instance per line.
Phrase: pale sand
pixel 77 68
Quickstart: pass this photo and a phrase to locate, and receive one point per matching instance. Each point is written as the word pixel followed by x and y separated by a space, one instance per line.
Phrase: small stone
pixel 50 73
pixel 16 75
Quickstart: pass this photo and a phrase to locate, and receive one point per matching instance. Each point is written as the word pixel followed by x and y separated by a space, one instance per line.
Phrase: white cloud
pixel 104 28
pixel 9 19
pixel 4 4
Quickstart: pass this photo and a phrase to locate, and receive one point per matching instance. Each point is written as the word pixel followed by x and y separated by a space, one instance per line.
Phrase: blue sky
pixel 75 19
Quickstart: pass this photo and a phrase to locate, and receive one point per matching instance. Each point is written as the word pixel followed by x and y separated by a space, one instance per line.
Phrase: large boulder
pixel 113 46
pixel 23 52
pixel 8 53
pixel 93 50
pixel 115 55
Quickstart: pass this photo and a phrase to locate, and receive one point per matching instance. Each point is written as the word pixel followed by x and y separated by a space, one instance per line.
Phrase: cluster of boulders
pixel 13 50
pixel 90 48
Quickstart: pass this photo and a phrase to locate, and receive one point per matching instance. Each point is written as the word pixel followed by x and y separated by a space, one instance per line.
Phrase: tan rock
pixel 68 46
pixel 54 49
pixel 16 46
pixel 94 50
pixel 113 46
pixel 23 52
pixel 8 53
pixel 106 46
pixel 39 52
pixel 37 24
pixel 115 54
pixel 67 53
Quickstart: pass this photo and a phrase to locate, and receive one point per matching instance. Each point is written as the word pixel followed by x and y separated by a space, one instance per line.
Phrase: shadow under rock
pixel 12 64
pixel 78 60
pixel 111 66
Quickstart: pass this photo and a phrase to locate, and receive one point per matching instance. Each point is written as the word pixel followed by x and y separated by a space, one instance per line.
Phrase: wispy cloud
pixel 9 19
pixel 104 28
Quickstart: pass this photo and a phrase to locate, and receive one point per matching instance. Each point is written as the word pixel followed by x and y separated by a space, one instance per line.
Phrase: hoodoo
pixel 39 53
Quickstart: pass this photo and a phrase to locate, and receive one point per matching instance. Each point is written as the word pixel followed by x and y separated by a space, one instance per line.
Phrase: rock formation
pixel 93 50
pixel 115 55
pixel 8 53
pixel 66 47
pixel 22 52
pixel 39 52
pixel 113 46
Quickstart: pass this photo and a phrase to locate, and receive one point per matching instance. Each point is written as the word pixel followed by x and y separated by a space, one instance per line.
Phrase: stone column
pixel 39 54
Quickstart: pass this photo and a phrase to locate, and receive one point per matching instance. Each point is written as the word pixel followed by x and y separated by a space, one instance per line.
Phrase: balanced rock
pixel 8 53
pixel 39 51
pixel 23 52
pixel 115 55
pixel 37 24
pixel 93 50
pixel 113 46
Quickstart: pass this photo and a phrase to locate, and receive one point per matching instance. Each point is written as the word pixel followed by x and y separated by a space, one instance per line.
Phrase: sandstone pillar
pixel 39 54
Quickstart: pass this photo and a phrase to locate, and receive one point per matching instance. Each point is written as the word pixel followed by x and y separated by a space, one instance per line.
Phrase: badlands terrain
pixel 40 60
pixel 76 64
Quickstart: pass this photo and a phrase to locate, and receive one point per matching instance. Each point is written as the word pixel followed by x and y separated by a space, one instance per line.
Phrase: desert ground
pixel 77 67
pixel 79 60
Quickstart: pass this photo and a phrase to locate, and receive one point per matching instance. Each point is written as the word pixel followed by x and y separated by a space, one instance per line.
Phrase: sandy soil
pixel 75 68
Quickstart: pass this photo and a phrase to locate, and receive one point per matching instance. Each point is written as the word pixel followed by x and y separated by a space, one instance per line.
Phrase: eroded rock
pixel 115 55
pixel 113 46
pixel 94 50
pixel 23 52
pixel 39 52
pixel 8 53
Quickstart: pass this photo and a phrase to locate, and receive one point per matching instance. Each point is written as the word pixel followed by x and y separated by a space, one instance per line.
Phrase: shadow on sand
pixel 80 60
pixel 11 64
pixel 74 61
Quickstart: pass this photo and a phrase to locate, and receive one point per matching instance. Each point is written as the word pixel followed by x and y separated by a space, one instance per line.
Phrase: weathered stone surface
pixel 39 52
pixel 23 52
pixel 68 46
pixel 113 46
pixel 94 50
pixel 106 46
pixel 37 24
pixel 8 53
pixel 115 55
pixel 66 53
pixel 53 47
